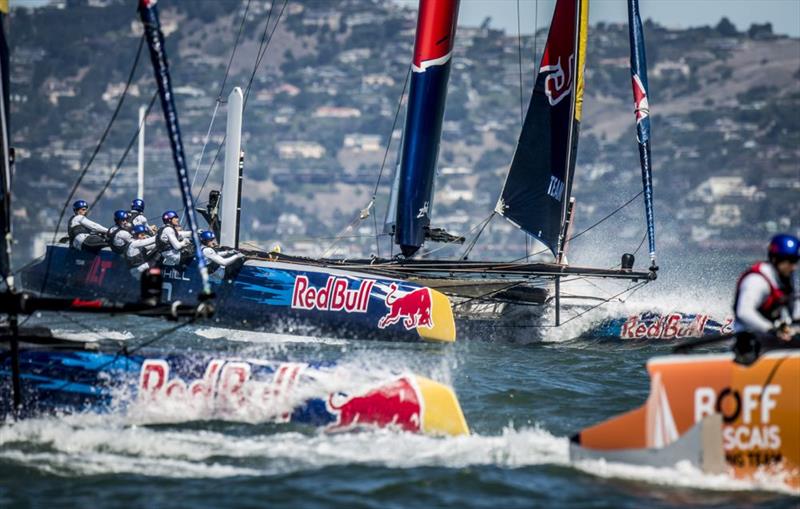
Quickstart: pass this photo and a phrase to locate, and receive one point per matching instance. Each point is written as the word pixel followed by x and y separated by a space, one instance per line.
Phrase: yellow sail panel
pixel 4 6
pixel 583 33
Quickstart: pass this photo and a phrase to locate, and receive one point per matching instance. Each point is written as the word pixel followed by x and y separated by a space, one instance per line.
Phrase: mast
pixel 140 158
pixel 5 164
pixel 642 111
pixel 538 186
pixel 148 13
pixel 433 49
pixel 231 179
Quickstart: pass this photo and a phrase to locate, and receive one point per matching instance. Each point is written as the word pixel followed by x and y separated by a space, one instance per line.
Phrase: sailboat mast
pixel 576 107
pixel 433 49
pixel 642 111
pixel 140 158
pixel 231 184
pixel 148 13
pixel 5 165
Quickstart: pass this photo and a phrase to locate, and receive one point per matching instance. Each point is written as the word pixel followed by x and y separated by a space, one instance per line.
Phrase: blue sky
pixel 783 14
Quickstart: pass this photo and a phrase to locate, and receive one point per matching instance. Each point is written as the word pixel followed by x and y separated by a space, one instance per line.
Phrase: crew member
pixel 765 300
pixel 137 215
pixel 229 259
pixel 175 250
pixel 84 234
pixel 119 235
pixel 141 253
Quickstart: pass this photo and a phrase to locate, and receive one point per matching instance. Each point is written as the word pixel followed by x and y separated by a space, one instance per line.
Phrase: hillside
pixel 725 106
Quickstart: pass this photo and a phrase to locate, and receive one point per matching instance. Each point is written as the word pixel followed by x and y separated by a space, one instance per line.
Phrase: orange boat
pixel 712 410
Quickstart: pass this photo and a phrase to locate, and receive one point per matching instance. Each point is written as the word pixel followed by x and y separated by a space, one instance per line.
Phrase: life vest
pixel 112 237
pixel 779 297
pixel 211 266
pixel 133 214
pixel 164 245
pixel 75 230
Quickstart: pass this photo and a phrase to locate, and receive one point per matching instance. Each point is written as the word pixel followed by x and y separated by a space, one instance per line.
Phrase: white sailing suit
pixel 79 220
pixel 137 251
pixel 169 235
pixel 754 289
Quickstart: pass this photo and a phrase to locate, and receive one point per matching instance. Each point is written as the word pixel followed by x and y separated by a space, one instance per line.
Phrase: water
pixel 522 401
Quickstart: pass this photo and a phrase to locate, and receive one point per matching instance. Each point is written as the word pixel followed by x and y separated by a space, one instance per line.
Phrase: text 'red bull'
pixel 226 385
pixel 414 308
pixel 671 326
pixel 334 296
pixel 396 404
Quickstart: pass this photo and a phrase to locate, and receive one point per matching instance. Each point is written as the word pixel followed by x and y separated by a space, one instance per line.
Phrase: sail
pixel 5 163
pixel 158 56
pixel 642 111
pixel 436 28
pixel 539 184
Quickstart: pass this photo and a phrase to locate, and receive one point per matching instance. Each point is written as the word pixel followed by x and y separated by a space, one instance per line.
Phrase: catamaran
pixel 265 294
pixel 536 196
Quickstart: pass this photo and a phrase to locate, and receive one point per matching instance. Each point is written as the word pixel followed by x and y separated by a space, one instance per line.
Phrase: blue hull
pixel 277 297
pixel 179 388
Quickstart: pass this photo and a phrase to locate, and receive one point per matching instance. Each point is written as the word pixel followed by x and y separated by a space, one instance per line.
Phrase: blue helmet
pixel 139 229
pixel 168 216
pixel 80 204
pixel 120 215
pixel 137 205
pixel 207 236
pixel 784 247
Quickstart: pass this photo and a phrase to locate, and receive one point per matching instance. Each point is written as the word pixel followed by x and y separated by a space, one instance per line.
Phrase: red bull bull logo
pixel 397 405
pixel 413 308
pixel 334 296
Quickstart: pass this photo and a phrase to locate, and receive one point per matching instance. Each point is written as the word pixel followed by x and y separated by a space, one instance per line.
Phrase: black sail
pixel 539 182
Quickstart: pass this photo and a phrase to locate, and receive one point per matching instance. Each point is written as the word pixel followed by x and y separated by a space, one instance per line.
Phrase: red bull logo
pixel 641 106
pixel 671 326
pixel 334 296
pixel 414 308
pixel 397 404
pixel 225 386
pixel 557 83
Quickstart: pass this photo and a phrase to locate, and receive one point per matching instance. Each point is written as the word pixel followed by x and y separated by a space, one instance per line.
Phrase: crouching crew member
pixel 85 234
pixel 137 215
pixel 229 259
pixel 175 250
pixel 119 235
pixel 141 253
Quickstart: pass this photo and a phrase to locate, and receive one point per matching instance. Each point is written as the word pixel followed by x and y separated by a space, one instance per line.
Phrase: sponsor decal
pixel 225 386
pixel 171 273
pixel 396 404
pixel 755 441
pixel 557 84
pixel 671 326
pixel 97 271
pixel 556 188
pixel 413 307
pixel 334 296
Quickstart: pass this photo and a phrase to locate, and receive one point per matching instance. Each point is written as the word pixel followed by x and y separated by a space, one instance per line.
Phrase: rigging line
pixel 125 153
pixel 454 241
pixel 519 60
pixel 262 50
pixel 219 97
pixel 490 293
pixel 94 154
pixel 604 302
pixel 474 241
pixel 608 216
pixel 233 53
pixel 123 351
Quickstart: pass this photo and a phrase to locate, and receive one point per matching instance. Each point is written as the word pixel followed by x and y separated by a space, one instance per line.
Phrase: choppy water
pixel 522 401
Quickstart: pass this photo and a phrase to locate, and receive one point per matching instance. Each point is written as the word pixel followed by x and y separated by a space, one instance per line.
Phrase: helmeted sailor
pixel 85 234
pixel 119 235
pixel 229 259
pixel 765 300
pixel 170 242
pixel 137 215
pixel 141 253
